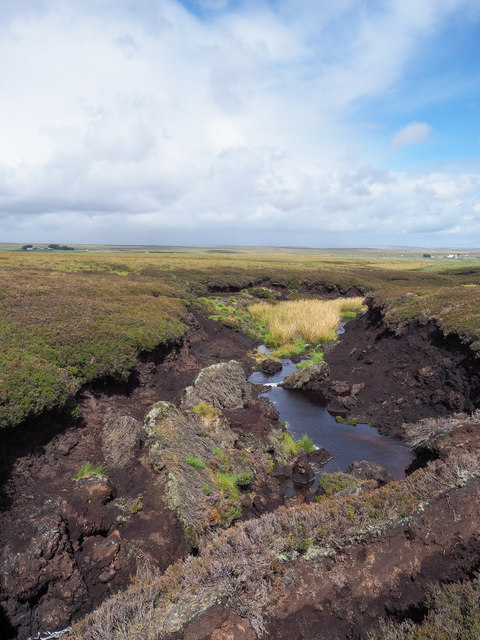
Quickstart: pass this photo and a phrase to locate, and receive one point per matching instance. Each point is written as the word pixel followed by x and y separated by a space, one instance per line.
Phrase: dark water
pixel 305 413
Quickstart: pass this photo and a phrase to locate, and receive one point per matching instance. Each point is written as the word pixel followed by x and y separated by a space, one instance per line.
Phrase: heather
pixel 68 318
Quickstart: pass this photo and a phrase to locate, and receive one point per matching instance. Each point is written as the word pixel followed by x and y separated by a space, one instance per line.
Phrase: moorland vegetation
pixel 67 319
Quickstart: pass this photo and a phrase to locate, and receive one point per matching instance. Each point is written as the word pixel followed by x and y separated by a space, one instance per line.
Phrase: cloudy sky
pixel 280 122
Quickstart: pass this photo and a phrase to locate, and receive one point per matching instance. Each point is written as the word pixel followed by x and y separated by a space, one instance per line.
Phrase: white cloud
pixel 413 133
pixel 141 122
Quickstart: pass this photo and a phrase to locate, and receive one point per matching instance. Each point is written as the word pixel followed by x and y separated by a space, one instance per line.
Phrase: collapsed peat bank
pixel 64 551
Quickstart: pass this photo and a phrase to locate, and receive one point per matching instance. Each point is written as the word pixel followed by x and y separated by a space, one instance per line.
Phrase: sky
pixel 353 123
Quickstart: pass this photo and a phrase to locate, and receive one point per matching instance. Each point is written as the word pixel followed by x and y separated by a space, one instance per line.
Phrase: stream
pixel 306 413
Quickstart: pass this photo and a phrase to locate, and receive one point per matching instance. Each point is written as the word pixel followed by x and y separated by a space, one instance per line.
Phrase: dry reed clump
pixel 427 432
pixel 311 321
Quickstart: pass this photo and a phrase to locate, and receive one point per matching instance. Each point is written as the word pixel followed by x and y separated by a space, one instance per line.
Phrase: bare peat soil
pixel 65 546
pixel 404 377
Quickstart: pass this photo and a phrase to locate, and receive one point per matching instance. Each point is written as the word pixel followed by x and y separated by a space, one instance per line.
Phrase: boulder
pixel 311 378
pixel 319 457
pixel 223 385
pixel 366 470
pixel 269 366
pixel 121 439
pixel 302 471
pixel 95 489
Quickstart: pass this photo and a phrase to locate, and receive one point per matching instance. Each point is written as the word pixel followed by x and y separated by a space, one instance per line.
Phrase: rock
pixel 121 438
pixel 302 471
pixel 269 367
pixel 349 402
pixel 311 378
pixel 296 358
pixel 366 470
pixel 339 388
pixel 222 385
pixel 96 489
pixel 356 388
pixel 319 457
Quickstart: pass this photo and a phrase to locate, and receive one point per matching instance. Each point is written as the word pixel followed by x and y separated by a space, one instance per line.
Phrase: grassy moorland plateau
pixel 143 478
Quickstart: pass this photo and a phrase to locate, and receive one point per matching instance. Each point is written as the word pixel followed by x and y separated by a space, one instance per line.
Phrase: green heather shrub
pixel 244 479
pixel 304 545
pixel 332 483
pixel 88 470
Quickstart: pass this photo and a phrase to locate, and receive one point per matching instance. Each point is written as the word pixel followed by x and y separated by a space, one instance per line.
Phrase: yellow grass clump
pixel 311 321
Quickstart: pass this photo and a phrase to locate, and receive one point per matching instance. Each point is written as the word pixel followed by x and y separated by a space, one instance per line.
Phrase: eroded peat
pixel 224 559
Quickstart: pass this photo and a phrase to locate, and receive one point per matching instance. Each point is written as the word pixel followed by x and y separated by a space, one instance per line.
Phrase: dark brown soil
pixel 384 576
pixel 63 551
pixel 406 377
pixel 343 597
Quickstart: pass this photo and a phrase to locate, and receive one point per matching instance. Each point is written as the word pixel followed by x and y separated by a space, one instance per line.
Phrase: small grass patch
pixel 292 447
pixel 206 411
pixel 88 470
pixel 315 357
pixel 196 463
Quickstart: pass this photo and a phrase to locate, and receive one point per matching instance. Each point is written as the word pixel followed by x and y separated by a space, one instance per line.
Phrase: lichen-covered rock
pixel 223 385
pixel 366 470
pixel 202 472
pixel 311 378
pixel 120 439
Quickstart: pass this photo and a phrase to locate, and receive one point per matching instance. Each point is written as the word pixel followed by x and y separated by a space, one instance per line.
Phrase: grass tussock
pixel 88 470
pixel 311 321
pixel 292 447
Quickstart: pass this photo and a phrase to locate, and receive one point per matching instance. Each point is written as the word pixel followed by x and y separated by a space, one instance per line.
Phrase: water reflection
pixel 306 413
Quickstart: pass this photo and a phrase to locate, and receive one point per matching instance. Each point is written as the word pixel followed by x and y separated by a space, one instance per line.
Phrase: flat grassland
pixel 68 318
